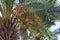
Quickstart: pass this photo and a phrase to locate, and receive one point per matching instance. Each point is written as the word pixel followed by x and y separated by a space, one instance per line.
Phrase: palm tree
pixel 28 15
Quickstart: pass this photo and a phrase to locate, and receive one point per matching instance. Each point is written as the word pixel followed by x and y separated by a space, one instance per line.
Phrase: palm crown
pixel 28 15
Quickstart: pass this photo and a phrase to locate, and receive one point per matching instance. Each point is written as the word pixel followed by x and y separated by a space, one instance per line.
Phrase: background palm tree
pixel 28 15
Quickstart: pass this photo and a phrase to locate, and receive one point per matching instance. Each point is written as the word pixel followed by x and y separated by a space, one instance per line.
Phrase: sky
pixel 58 36
pixel 56 26
pixel 57 3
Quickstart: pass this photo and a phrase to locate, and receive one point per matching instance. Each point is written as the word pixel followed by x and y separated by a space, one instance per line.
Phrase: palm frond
pixel 8 30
